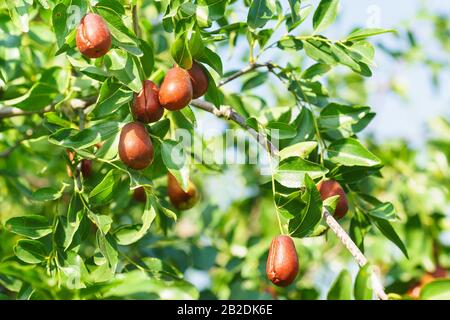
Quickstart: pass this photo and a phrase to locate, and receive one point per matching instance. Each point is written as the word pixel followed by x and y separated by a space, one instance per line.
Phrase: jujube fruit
pixel 180 199
pixel 86 168
pixel 93 38
pixel 146 107
pixel 139 195
pixel 199 80
pixel 282 262
pixel 176 89
pixel 135 146
pixel 330 188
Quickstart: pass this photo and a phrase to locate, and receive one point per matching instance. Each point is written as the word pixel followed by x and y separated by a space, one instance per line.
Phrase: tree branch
pixel 226 112
pixel 246 70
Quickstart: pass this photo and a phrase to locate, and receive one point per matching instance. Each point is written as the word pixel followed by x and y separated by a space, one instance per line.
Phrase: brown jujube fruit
pixel 93 38
pixel 135 146
pixel 199 80
pixel 180 199
pixel 86 165
pixel 330 188
pixel 86 168
pixel 175 92
pixel 282 262
pixel 146 107
pixel 139 195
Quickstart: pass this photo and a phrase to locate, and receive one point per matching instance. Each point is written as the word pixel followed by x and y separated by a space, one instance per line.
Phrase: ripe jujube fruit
pixel 146 107
pixel 330 188
pixel 139 195
pixel 176 89
pixel 85 167
pixel 182 200
pixel 282 262
pixel 199 80
pixel 135 146
pixel 93 38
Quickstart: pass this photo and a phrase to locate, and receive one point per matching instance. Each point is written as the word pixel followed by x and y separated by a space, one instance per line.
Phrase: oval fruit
pixel 199 80
pixel 146 107
pixel 86 168
pixel 93 38
pixel 182 200
pixel 282 262
pixel 135 146
pixel 176 89
pixel 330 188
pixel 139 195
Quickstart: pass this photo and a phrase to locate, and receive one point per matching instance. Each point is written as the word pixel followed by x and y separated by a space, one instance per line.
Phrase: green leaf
pixel 147 60
pixel 300 149
pixel 31 226
pixel 18 11
pixel 364 33
pixel 341 288
pixel 212 59
pixel 292 171
pixel 48 194
pixel 86 138
pixel 125 68
pixel 108 248
pixel 102 221
pixel 116 98
pixel 30 251
pixel 350 152
pixel 59 21
pixel 74 217
pixel 325 14
pixel 384 211
pixel 388 231
pixel 39 96
pixel 127 235
pixel 436 290
pixel 260 12
pixel 359 227
pixel 342 121
pixel 257 79
pixel 103 193
pixel 175 159
pixel 320 51
pixel 180 52
pixel 363 284
pixel 315 70
pixel 304 223
pixel 281 130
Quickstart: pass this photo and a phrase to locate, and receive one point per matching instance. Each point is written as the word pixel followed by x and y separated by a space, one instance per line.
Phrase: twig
pixel 226 112
pixel 355 252
pixel 246 70
pixel 135 18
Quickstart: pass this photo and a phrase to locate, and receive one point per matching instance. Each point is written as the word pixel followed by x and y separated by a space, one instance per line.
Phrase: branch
pixel 355 252
pixel 246 70
pixel 135 18
pixel 227 113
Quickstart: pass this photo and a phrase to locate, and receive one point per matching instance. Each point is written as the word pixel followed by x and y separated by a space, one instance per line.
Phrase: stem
pixel 135 16
pixel 228 113
pixel 355 252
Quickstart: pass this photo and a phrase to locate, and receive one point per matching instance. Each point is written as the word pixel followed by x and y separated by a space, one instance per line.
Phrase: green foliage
pixel 78 237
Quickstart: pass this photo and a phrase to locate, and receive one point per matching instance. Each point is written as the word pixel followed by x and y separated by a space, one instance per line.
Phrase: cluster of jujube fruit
pixel 177 90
